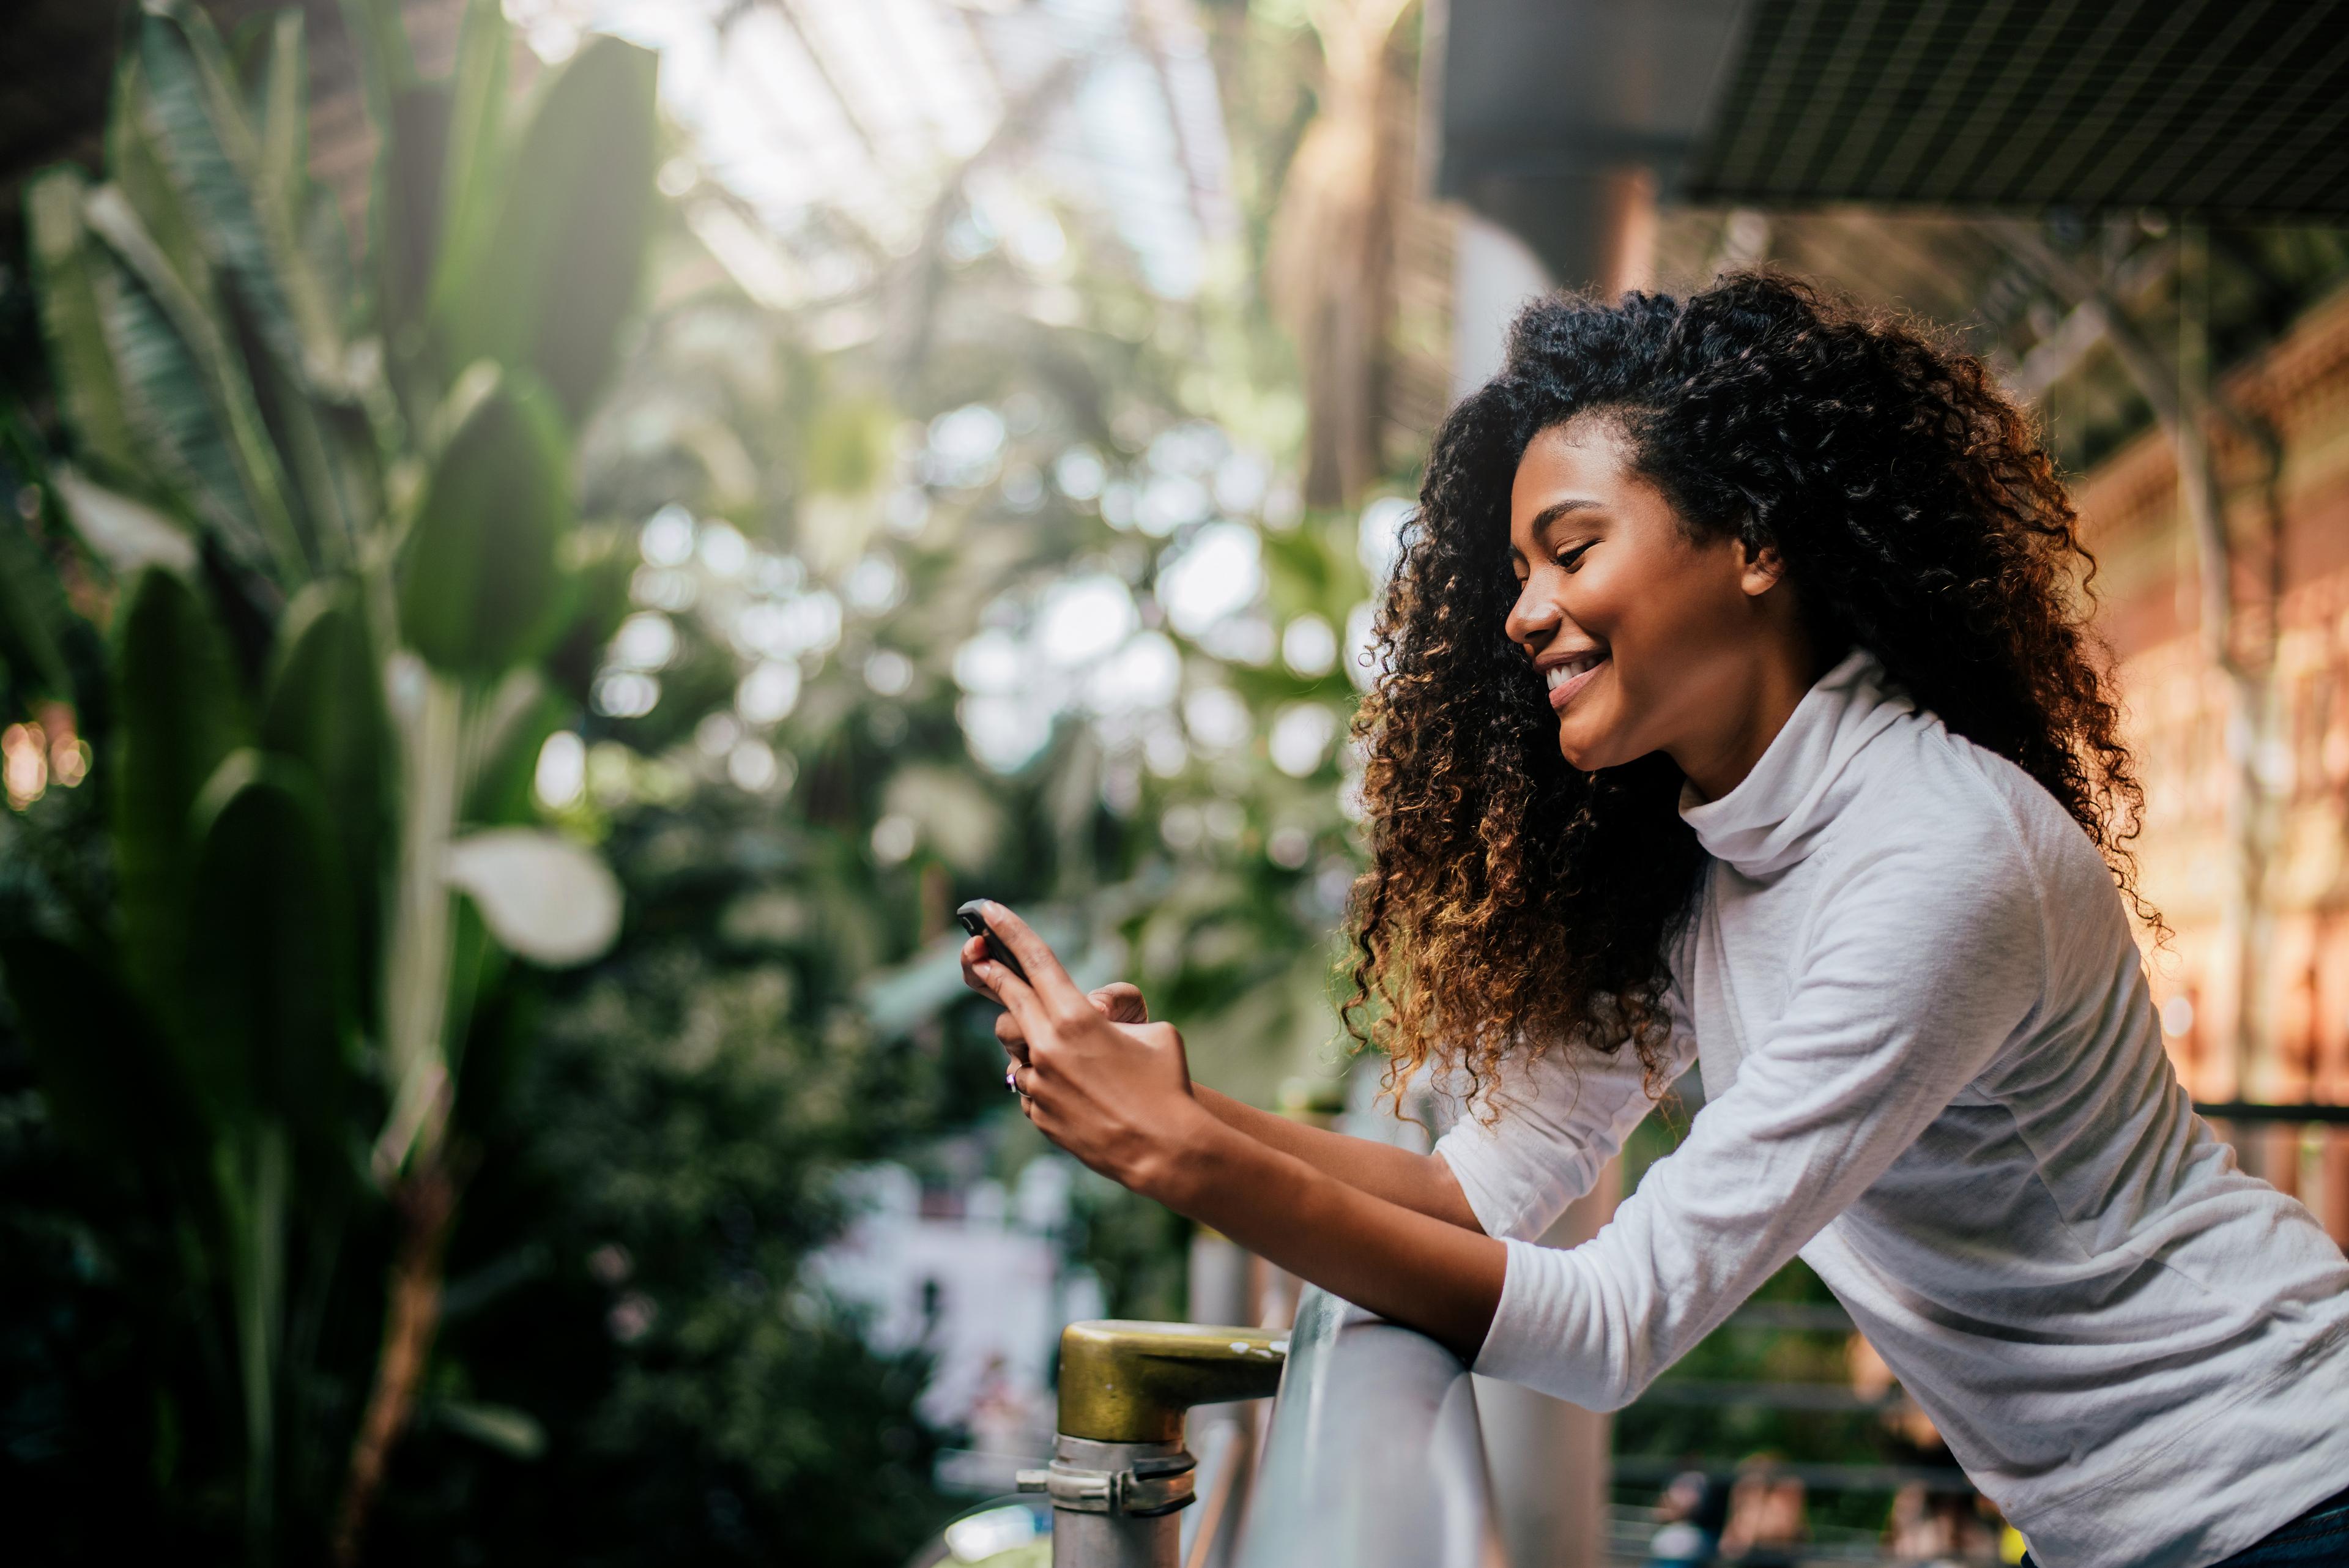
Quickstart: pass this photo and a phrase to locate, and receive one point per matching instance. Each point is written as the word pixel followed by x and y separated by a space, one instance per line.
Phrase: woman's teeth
pixel 1558 675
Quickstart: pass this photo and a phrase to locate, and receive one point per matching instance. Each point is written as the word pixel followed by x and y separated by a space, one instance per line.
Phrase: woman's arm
pixel 1410 1267
pixel 1423 1183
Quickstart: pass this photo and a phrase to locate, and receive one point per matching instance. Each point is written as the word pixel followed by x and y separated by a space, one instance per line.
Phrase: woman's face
pixel 1646 637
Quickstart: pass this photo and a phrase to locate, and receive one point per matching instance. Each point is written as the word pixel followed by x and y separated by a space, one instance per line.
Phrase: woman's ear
pixel 1760 568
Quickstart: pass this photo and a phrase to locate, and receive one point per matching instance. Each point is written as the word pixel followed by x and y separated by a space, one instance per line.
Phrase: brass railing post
pixel 1120 1473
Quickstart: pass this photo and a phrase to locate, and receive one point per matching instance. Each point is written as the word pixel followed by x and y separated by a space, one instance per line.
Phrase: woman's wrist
pixel 1180 1169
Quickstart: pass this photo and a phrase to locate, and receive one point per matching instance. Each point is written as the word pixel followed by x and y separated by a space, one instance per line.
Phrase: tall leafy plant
pixel 330 510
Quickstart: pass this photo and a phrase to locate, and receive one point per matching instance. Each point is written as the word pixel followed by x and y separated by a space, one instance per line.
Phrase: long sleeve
pixel 1925 961
pixel 1553 1130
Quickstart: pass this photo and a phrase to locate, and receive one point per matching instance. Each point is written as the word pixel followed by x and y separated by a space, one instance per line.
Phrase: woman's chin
pixel 1587 748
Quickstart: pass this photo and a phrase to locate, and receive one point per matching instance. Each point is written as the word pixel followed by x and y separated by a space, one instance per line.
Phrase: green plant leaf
pixel 327 243
pixel 69 269
pixel 135 165
pixel 33 611
pixel 192 393
pixel 481 585
pixel 125 533
pixel 500 1426
pixel 280 99
pixel 404 234
pixel 247 210
pixel 477 153
pixel 110 1081
pixel 386 64
pixel 568 246
pixel 180 712
pixel 325 706
pixel 504 757
pixel 601 565
pixel 269 1006
pixel 247 188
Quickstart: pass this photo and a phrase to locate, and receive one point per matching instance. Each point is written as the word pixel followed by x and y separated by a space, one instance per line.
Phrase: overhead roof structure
pixel 2222 110
pixel 2226 109
pixel 865 109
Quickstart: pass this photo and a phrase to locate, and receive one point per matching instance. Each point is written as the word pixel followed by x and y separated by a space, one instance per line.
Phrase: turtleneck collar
pixel 1775 815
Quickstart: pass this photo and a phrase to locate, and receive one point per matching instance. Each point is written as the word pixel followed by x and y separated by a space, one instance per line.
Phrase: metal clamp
pixel 1118 1472
pixel 1150 1487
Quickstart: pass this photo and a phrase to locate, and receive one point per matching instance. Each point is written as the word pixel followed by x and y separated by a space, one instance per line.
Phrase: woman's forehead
pixel 1584 459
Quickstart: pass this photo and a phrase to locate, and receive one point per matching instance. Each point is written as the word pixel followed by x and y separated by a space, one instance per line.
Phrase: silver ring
pixel 1011 1076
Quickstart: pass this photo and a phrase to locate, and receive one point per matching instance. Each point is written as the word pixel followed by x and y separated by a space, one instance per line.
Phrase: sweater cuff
pixel 1524 1344
pixel 1473 1158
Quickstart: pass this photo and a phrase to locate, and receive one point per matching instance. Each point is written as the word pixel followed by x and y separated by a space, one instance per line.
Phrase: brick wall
pixel 2290 524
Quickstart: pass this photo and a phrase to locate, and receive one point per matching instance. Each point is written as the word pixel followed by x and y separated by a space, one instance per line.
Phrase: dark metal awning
pixel 2230 109
pixel 2235 108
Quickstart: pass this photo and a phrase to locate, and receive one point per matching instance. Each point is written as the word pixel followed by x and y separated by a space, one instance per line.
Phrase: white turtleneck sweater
pixel 1932 1071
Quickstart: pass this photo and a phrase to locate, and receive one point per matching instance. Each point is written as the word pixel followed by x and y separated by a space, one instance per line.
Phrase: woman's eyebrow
pixel 1557 509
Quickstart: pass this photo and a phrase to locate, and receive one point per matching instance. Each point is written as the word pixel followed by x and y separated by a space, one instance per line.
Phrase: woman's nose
pixel 1534 618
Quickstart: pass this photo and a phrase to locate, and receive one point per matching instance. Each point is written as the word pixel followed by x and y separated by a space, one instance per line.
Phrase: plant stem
pixel 416 998
pixel 426 1202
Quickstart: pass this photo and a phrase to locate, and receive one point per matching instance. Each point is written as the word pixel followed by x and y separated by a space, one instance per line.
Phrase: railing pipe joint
pixel 1120 1473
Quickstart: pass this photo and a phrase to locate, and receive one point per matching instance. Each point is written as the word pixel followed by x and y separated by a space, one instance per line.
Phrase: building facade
pixel 2245 843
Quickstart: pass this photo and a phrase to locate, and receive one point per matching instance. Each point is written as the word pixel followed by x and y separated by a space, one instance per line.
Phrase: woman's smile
pixel 1569 678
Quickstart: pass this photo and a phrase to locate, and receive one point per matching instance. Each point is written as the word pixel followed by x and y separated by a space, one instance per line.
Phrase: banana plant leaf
pixel 480 581
pixel 269 1020
pixel 567 249
pixel 181 714
pixel 325 708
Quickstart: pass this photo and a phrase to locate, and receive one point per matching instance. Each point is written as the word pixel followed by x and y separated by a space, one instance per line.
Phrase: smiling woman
pixel 1728 493
pixel 1738 711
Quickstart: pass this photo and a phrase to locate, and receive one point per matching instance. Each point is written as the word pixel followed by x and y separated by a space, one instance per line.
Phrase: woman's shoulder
pixel 1956 809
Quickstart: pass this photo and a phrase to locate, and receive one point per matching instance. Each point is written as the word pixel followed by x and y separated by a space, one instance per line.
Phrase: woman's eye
pixel 1572 557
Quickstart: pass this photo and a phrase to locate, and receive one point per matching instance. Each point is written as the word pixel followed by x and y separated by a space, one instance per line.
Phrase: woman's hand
pixel 1111 1089
pixel 1115 1092
pixel 1120 1001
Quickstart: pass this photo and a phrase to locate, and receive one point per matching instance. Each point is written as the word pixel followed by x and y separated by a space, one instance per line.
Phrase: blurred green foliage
pixel 322 521
pixel 376 555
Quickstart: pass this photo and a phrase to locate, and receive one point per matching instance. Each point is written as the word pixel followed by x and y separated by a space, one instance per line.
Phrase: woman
pixel 1737 708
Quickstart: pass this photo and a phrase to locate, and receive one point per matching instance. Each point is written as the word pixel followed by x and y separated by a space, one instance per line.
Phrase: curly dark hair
pixel 1513 901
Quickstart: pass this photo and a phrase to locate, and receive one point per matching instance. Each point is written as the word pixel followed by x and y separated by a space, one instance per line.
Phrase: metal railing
pixel 1120 1472
pixel 1373 1459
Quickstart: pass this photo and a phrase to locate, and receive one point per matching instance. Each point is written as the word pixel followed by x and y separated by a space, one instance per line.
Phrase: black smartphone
pixel 976 924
